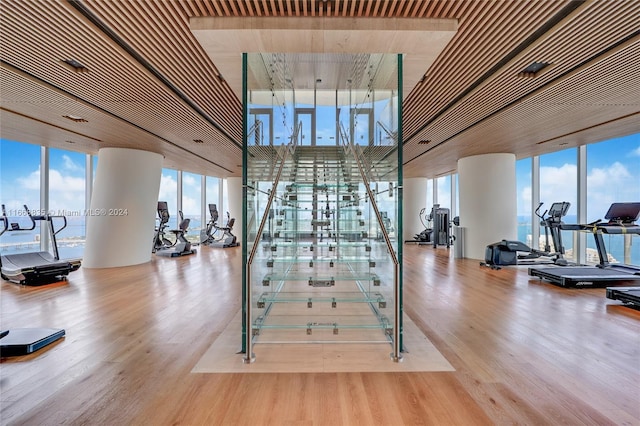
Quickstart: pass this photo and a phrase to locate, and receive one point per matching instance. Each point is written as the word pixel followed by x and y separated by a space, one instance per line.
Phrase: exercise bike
pixel 160 241
pixel 165 247
pixel 218 236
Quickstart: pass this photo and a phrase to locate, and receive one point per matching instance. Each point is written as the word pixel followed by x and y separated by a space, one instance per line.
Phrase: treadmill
pixel 630 296
pixel 23 341
pixel 622 219
pixel 35 268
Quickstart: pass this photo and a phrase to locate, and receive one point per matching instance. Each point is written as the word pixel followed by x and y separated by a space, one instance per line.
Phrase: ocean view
pixel 71 240
pixel 613 243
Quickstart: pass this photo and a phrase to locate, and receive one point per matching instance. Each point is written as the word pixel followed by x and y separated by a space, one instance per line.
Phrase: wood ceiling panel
pixel 598 94
pixel 160 81
pixel 506 88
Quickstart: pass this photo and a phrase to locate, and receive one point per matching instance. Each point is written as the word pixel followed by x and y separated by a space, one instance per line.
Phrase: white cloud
pixel 65 192
pixel 608 185
pixel 635 152
pixel 604 186
pixel 524 201
pixel 189 180
pixel 31 181
pixel 167 191
pixel 190 206
pixel 603 178
pixel 70 165
pixel 59 182
pixel 444 192
pixel 558 184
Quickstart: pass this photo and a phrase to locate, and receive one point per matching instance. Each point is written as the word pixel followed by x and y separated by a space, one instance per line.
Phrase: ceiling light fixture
pixel 75 118
pixel 198 141
pixel 424 142
pixel 74 65
pixel 533 70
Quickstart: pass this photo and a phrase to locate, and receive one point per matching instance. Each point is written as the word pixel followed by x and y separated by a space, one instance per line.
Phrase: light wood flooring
pixel 525 352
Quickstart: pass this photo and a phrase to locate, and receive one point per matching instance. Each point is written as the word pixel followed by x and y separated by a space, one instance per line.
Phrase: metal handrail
pixel 249 357
pixel 392 135
pixel 256 129
pixel 296 131
pixel 396 355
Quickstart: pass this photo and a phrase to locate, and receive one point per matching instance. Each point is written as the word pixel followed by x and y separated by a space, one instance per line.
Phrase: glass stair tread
pixel 301 276
pixel 306 297
pixel 323 244
pixel 307 259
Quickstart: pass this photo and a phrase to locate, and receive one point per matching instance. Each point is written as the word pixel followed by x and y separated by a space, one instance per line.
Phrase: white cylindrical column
pixel 121 220
pixel 488 195
pixel 234 195
pixel 414 199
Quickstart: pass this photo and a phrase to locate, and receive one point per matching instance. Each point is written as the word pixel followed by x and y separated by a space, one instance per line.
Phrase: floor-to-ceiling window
pixel 19 186
pixel 191 204
pixel 613 175
pixel 444 191
pixel 169 193
pixel 523 188
pixel 212 196
pixel 559 182
pixel 67 198
pixel 430 196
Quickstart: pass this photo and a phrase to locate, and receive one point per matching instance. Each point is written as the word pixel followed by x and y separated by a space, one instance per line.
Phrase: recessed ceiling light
pixel 533 70
pixel 424 142
pixel 198 141
pixel 75 118
pixel 74 65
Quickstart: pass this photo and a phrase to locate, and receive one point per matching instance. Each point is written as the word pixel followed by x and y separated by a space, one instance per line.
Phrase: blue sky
pixel 613 175
pixel 20 180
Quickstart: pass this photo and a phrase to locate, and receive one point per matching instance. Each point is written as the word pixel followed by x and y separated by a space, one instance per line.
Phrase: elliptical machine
pixel 424 237
pixel 181 246
pixel 510 252
pixel 218 236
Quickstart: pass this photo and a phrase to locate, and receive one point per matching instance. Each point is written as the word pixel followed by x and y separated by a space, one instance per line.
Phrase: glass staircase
pixel 322 231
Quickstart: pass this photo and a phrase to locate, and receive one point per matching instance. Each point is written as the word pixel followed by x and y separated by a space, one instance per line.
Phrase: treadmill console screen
pixel 623 212
pixel 559 209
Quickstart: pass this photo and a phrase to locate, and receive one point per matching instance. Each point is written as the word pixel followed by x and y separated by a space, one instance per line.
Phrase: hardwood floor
pixel 525 352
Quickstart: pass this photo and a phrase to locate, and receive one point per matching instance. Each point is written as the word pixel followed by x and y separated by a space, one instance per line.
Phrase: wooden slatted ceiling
pixel 595 95
pixel 25 103
pixel 115 83
pixel 159 32
pixel 573 44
